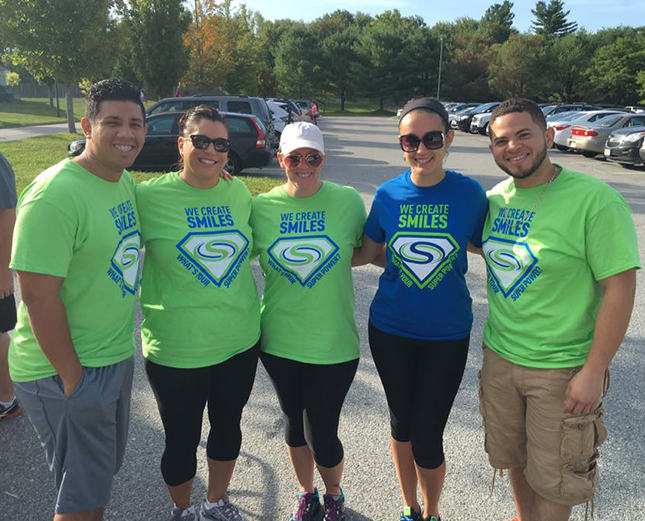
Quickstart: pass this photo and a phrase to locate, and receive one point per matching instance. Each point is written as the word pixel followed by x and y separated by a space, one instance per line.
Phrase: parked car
pixel 591 138
pixel 480 123
pixel 239 104
pixel 295 108
pixel 280 116
pixel 305 106
pixel 455 117
pixel 286 107
pixel 249 147
pixel 463 121
pixel 624 146
pixel 567 107
pixel 564 122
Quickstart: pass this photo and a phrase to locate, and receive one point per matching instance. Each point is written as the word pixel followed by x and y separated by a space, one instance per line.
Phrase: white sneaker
pixel 222 511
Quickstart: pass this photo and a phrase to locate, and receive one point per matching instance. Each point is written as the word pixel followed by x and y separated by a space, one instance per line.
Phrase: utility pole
pixel 440 60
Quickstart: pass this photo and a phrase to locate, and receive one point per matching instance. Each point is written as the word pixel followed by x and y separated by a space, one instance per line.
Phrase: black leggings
pixel 182 395
pixel 311 397
pixel 421 379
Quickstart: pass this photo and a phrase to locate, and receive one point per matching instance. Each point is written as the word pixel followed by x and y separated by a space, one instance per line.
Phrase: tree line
pixel 207 45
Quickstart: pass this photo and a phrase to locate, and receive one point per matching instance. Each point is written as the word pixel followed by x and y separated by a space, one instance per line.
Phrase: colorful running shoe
pixel 409 514
pixel 14 409
pixel 184 514
pixel 222 511
pixel 433 518
pixel 308 508
pixel 334 508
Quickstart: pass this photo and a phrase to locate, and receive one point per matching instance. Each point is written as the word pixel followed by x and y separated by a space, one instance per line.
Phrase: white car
pixel 280 116
pixel 480 122
pixel 563 125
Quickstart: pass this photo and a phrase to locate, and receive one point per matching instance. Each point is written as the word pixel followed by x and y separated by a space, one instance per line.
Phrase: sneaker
pixel 409 514
pixel 334 508
pixel 12 411
pixel 184 514
pixel 433 518
pixel 308 508
pixel 222 511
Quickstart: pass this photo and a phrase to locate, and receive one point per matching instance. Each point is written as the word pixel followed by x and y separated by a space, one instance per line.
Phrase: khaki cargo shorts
pixel 526 427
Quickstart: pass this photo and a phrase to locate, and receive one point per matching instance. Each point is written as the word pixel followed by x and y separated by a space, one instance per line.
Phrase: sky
pixel 590 14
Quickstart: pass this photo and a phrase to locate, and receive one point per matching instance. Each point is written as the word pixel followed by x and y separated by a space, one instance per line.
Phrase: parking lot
pixel 363 153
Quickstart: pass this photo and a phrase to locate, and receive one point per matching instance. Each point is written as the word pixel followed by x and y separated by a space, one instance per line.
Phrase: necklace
pixel 537 202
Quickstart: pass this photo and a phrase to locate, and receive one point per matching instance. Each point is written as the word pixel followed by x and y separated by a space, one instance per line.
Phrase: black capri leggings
pixel 181 397
pixel 311 397
pixel 421 379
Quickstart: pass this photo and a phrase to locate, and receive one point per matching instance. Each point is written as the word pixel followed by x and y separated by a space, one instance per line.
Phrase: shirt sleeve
pixel 373 227
pixel 7 185
pixel 611 243
pixel 44 239
pixel 481 210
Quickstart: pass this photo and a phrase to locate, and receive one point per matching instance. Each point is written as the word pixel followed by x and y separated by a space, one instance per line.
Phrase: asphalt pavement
pixel 363 152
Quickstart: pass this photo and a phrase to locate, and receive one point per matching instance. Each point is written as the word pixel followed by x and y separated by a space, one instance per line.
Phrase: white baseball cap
pixel 301 135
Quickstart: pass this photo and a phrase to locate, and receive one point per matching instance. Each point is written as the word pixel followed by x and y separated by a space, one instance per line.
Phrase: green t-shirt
pixel 544 266
pixel 75 225
pixel 198 296
pixel 305 247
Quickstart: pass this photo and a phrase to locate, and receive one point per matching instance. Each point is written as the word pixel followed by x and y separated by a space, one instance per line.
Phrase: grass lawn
pixel 36 111
pixel 30 156
pixel 332 108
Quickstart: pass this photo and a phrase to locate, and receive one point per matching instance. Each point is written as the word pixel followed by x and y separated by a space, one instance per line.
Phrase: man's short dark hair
pixel 111 90
pixel 513 105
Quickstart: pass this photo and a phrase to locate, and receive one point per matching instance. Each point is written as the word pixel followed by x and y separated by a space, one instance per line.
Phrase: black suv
pixel 238 104
pixel 249 146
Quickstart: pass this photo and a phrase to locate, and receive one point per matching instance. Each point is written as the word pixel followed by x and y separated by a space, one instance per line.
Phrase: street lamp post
pixel 440 60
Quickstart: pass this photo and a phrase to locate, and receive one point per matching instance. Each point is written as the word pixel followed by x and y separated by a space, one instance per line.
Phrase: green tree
pixel 386 66
pixel 640 79
pixel 518 67
pixel 568 63
pixel 339 51
pixel 299 63
pixel 615 68
pixel 64 39
pixel 157 48
pixel 468 54
pixel 498 21
pixel 551 19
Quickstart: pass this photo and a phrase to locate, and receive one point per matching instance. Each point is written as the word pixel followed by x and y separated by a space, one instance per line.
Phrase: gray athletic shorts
pixel 84 434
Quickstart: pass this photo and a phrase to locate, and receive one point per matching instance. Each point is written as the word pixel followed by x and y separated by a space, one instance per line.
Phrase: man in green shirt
pixel 561 253
pixel 76 251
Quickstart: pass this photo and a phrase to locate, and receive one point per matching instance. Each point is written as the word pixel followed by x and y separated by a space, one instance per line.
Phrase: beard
pixel 523 174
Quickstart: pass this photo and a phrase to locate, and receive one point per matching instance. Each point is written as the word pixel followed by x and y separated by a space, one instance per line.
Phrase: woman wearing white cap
pixel 305 232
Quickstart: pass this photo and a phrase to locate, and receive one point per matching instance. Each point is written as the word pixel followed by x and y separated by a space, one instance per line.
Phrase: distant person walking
pixel 314 113
pixel 9 404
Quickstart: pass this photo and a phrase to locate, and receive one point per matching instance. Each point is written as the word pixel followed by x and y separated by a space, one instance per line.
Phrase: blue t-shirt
pixel 422 293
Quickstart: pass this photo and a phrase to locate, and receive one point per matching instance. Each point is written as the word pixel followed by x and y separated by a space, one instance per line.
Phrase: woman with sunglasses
pixel 201 327
pixel 421 316
pixel 305 232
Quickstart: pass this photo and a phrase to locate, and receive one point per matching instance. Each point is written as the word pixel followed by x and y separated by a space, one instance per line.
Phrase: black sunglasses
pixel 202 142
pixel 432 140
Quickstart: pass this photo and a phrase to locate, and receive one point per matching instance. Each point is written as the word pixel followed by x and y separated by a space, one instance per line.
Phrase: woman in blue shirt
pixel 421 315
